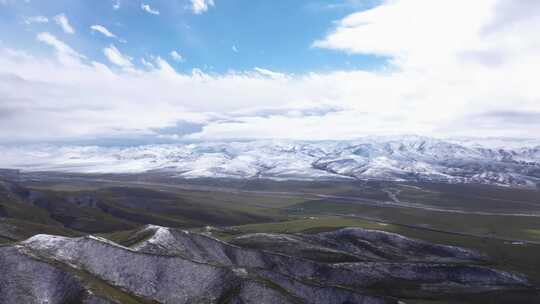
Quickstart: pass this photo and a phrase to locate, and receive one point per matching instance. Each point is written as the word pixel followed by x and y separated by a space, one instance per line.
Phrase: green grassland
pixel 499 226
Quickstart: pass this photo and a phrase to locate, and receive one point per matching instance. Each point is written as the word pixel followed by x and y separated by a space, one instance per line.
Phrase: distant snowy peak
pixel 407 158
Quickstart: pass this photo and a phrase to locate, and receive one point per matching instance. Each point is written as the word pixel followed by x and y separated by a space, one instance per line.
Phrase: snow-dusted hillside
pixel 515 163
pixel 167 265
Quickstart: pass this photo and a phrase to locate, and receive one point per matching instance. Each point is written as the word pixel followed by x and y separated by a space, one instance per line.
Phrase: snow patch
pixel 408 158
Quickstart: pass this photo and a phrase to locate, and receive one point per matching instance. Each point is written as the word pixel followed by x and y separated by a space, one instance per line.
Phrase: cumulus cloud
pixel 90 100
pixel 36 19
pixel 103 30
pixel 148 9
pixel 116 57
pixel 201 6
pixel 434 37
pixel 475 77
pixel 176 56
pixel 485 61
pixel 63 21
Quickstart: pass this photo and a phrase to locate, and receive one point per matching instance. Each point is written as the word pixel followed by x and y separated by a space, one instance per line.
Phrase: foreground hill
pixel 511 163
pixel 163 265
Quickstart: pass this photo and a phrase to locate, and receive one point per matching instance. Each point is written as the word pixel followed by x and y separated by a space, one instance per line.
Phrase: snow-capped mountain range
pixel 408 158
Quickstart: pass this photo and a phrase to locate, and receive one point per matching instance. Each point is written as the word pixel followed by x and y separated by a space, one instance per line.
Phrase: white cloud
pixel 176 56
pixel 116 57
pixel 147 63
pixel 103 30
pixel 148 9
pixel 451 55
pixel 116 5
pixel 65 53
pixel 57 44
pixel 201 6
pixel 270 73
pixel 63 22
pixel 36 19
pixel 475 77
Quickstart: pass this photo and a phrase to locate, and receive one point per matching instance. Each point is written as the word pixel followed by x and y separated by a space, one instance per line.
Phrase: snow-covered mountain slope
pixel 409 158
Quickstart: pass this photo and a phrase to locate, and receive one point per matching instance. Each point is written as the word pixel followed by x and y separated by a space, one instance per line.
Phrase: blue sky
pixel 139 71
pixel 275 35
